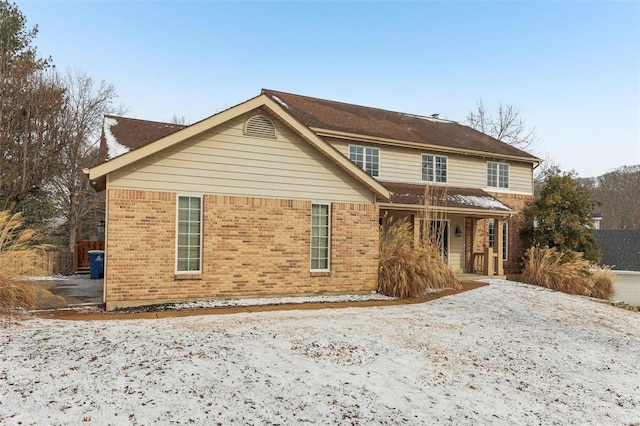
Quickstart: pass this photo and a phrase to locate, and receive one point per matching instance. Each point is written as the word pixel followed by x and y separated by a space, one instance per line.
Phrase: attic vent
pixel 260 126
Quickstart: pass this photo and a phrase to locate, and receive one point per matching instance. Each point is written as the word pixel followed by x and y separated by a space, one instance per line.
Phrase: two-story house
pixel 283 194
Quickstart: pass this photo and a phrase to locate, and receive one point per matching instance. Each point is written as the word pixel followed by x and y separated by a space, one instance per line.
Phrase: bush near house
pixel 17 257
pixel 566 271
pixel 408 269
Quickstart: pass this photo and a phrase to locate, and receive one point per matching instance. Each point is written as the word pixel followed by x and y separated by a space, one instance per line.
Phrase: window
pixel 497 175
pixel 320 231
pixel 492 233
pixel 434 168
pixel 189 234
pixel 366 158
pixel 505 237
pixel 505 240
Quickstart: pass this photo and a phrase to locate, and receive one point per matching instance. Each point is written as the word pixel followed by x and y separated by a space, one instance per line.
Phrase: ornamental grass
pixel 566 271
pixel 408 269
pixel 17 260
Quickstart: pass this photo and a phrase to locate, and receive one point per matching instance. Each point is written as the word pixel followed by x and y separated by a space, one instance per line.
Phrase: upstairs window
pixel 366 158
pixel 497 175
pixel 260 127
pixel 434 168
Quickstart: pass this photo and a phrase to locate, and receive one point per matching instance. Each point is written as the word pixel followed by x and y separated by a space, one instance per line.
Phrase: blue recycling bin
pixel 96 264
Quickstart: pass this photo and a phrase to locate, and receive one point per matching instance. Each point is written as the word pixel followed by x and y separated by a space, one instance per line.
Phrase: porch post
pixel 472 248
pixel 499 246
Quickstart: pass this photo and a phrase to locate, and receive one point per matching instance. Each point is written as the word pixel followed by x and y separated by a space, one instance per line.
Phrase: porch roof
pixel 463 200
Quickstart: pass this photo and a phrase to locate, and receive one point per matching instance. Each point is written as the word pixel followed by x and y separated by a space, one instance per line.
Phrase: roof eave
pixel 423 146
pixel 453 210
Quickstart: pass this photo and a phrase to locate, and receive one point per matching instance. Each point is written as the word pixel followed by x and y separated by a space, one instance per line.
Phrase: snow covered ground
pixel 507 353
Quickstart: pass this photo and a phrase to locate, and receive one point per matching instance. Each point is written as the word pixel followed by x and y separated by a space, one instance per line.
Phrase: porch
pixel 472 225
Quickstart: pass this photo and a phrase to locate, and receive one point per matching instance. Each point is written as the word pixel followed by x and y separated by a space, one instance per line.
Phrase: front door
pixel 440 232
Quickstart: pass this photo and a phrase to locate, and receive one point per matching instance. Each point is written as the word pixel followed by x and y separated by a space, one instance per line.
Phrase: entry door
pixel 440 229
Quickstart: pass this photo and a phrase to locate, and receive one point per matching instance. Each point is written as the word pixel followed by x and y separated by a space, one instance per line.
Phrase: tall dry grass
pixel 17 259
pixel 408 269
pixel 568 272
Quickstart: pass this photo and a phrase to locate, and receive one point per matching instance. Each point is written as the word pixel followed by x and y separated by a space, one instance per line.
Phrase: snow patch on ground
pixel 114 148
pixel 47 278
pixel 272 301
pixel 506 353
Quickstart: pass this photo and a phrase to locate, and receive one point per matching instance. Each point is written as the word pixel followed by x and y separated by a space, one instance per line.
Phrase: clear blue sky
pixel 573 68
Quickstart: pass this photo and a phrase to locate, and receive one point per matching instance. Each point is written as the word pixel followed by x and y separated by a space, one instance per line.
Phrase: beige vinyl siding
pixel 398 164
pixel 225 161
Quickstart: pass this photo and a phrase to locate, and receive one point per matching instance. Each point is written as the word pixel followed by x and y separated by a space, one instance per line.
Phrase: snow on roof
pixel 280 101
pixel 434 119
pixel 114 148
pixel 476 201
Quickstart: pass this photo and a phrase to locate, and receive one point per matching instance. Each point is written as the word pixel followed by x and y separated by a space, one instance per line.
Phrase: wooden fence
pixel 81 254
pixel 47 263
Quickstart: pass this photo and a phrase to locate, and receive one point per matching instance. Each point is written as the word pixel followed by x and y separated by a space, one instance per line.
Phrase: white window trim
pixel 434 181
pixel 505 237
pixel 364 157
pixel 498 187
pixel 329 212
pixel 199 271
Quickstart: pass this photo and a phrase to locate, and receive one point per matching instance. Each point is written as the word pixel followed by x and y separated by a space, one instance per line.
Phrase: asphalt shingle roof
pixel 380 123
pixel 134 133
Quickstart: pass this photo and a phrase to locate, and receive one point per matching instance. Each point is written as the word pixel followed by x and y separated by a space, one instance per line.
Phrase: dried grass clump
pixel 566 271
pixel 602 280
pixel 16 260
pixel 408 271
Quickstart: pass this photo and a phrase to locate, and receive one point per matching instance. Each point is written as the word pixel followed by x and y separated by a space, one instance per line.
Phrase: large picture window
pixel 189 234
pixel 320 236
pixel 434 168
pixel 497 175
pixel 366 158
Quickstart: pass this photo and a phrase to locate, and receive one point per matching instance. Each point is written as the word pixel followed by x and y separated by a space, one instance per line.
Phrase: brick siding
pixel 516 247
pixel 251 247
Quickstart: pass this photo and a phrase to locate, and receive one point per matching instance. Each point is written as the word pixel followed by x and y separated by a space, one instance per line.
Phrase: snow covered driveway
pixel 503 354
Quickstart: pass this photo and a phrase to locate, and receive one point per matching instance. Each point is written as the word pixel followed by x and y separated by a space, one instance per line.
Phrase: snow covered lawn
pixel 507 353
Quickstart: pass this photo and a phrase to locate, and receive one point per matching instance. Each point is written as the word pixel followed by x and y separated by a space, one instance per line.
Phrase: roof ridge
pixel 361 106
pixel 146 121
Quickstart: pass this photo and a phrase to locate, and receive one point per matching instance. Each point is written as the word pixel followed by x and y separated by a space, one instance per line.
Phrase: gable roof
pixel 122 134
pixel 331 118
pixel 98 173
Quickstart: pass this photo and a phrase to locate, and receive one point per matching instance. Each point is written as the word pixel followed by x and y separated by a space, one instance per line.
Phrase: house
pixel 283 194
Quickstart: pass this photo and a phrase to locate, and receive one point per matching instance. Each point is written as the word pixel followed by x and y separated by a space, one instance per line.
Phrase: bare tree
pixel 86 104
pixel 619 193
pixel 547 168
pixel 505 123
pixel 176 119
pixel 31 99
